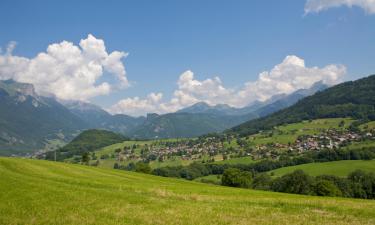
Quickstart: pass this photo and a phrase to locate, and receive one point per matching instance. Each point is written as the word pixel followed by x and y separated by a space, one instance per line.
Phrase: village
pixel 205 149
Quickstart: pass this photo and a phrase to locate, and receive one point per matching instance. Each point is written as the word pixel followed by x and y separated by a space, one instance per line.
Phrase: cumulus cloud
pixel 136 106
pixel 315 6
pixel 288 76
pixel 67 71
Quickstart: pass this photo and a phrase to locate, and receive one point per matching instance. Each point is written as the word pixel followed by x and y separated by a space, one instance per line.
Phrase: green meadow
pixel 337 168
pixel 44 192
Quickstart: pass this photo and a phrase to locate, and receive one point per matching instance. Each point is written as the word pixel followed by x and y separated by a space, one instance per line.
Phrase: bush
pixel 142 167
pixel 363 184
pixel 297 182
pixel 236 178
pixel 262 181
pixel 326 188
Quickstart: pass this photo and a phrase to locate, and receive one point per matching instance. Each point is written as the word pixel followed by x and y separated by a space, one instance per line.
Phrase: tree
pixel 142 167
pixel 297 182
pixel 326 188
pixel 364 184
pixel 262 181
pixel 85 158
pixel 236 178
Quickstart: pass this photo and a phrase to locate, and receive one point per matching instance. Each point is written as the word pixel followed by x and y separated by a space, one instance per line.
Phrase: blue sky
pixel 234 40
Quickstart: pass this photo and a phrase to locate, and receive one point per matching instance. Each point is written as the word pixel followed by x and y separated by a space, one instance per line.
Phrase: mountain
pixel 175 125
pixel 354 99
pixel 202 107
pixel 29 121
pixel 87 141
pixel 96 117
pixel 282 101
pixel 256 108
pixel 198 119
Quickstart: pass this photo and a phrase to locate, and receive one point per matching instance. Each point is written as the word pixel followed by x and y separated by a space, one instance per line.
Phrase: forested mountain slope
pixel 354 99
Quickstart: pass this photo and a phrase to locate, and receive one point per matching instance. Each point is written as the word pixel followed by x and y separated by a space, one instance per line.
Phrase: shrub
pixel 142 167
pixel 236 178
pixel 326 188
pixel 297 182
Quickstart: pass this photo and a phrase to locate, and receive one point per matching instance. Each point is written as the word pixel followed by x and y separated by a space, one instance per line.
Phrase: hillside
pixel 42 192
pixel 354 99
pixel 338 168
pixel 97 118
pixel 202 118
pixel 29 121
pixel 87 141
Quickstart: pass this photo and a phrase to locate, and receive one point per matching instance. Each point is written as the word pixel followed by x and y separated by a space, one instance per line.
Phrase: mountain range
pixel 30 122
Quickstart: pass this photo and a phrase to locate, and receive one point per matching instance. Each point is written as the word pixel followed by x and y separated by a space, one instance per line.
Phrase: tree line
pixel 358 184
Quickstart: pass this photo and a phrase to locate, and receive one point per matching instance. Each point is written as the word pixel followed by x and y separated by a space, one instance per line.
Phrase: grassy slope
pixel 42 192
pixel 338 168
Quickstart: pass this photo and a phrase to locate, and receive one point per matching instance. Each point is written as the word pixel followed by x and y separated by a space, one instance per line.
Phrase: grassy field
pixel 338 168
pixel 43 192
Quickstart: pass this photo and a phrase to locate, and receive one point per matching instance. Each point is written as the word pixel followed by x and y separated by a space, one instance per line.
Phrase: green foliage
pixel 236 178
pixel 262 181
pixel 142 167
pixel 87 141
pixel 326 188
pixel 297 182
pixel 189 172
pixel 364 184
pixel 85 158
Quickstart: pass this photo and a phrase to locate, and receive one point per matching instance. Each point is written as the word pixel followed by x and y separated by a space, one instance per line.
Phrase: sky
pixel 136 57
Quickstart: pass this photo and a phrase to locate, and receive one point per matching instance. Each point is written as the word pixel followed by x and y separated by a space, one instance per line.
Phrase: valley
pixel 187 112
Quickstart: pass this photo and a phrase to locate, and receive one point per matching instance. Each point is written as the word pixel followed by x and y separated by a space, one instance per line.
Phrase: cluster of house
pixel 328 140
pixel 163 152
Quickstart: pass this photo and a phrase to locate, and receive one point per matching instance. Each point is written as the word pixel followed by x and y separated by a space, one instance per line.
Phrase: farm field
pixel 337 168
pixel 43 192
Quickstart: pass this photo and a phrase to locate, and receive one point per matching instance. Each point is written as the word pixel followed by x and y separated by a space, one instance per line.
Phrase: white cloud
pixel 288 76
pixel 315 6
pixel 67 71
pixel 136 106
